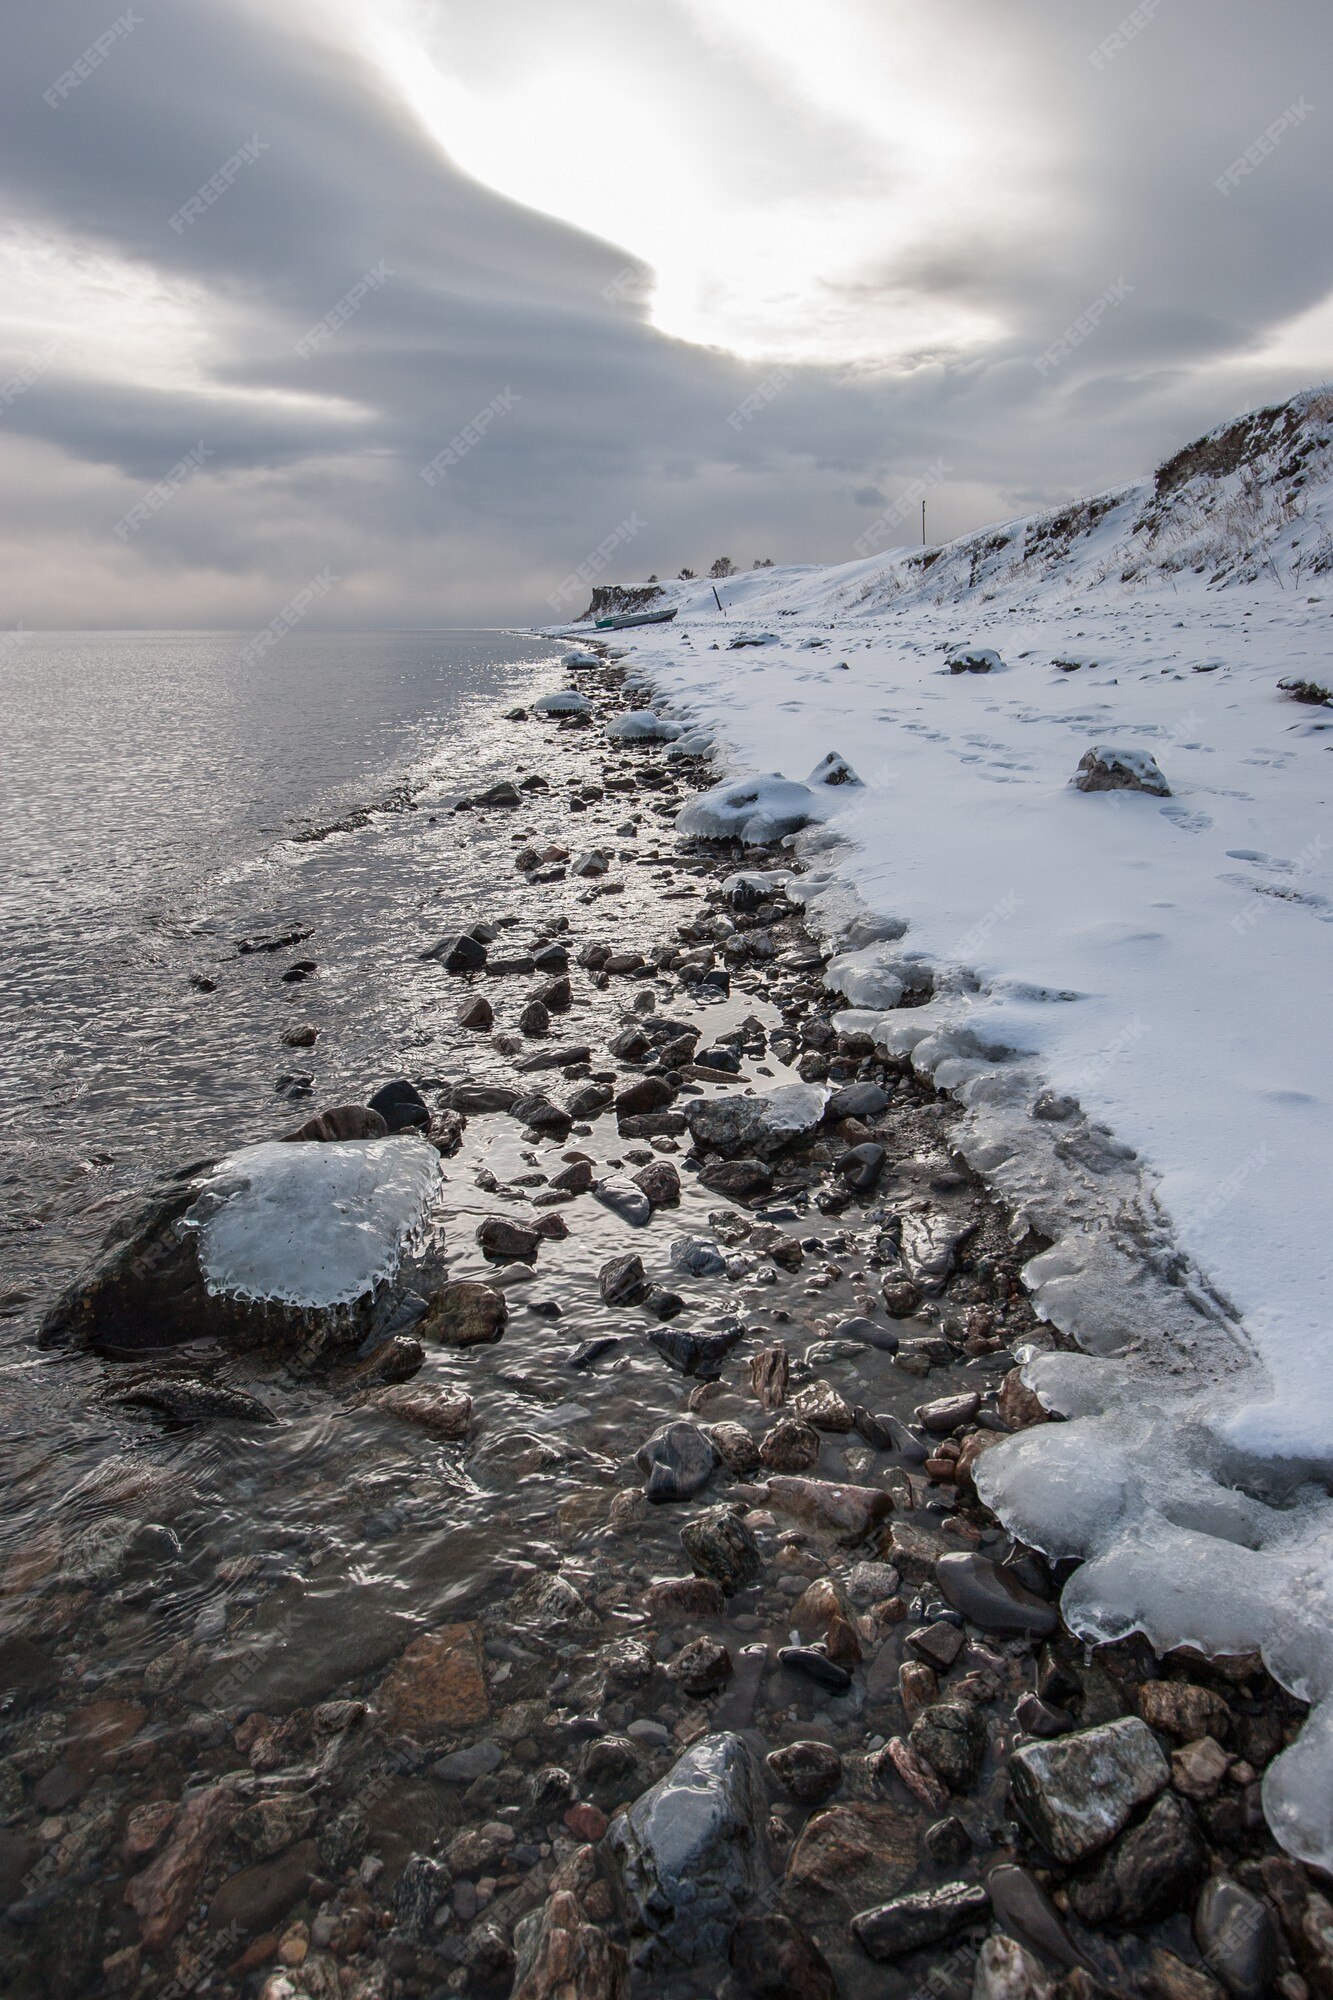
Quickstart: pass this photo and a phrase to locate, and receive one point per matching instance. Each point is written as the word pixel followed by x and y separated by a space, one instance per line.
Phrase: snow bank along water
pixel 1128 992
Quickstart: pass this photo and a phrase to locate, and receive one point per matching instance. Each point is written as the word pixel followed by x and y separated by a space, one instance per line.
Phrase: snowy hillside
pixel 1130 992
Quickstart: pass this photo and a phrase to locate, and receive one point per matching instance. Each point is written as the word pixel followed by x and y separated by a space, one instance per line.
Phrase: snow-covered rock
pixel 580 657
pixel 641 725
pixel 1110 770
pixel 566 701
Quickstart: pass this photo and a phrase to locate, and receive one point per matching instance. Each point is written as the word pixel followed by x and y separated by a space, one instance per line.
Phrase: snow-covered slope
pixel 1167 963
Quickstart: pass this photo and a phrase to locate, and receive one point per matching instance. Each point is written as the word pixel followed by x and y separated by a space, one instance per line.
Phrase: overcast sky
pixel 260 265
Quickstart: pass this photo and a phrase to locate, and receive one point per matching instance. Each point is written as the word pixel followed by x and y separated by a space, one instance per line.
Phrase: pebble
pixel 991 1598
pixel 814 1665
pixel 721 1547
pixel 910 1923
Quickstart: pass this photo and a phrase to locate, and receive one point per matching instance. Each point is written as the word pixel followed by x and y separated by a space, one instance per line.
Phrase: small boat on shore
pixel 625 618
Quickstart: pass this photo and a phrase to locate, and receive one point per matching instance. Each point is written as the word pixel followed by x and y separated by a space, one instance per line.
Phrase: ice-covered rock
pixel 566 701
pixel 689 1853
pixel 277 1243
pixel 867 978
pixel 642 725
pixel 580 657
pixel 312 1225
pixel 1104 769
pixel 761 1124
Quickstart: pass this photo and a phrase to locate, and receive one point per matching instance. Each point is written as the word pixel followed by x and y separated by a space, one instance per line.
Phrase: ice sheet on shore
pixel 1129 996
pixel 312 1225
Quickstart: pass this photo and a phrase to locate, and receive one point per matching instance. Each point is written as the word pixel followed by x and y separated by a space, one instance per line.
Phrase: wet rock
pixel 1109 770
pixel 462 1767
pixel 910 1923
pixel 791 1446
pixel 758 1125
pixel 851 1856
pixel 1183 1711
pixel 720 1546
pixel 857 1100
pixel 821 1405
pixel 505 794
pixel 506 1242
pixel 577 1178
pixel 1075 1794
pixel 1172 1979
pixel 991 1598
pixel 861 1167
pixel 930 1245
pixel 945 1415
pixel 468 1314
pixel 679 1462
pixel 772 1960
pixel 646 1093
pixel 662 1303
pixel 539 1114
pixel 937 1645
pixel 1198 1769
pixel 810 1772
pixel 402 1107
pixel 1036 1717
pixel 951 1736
pixel 1019 1406
pixel 458 954
pixel 812 1664
pixel 947 1841
pixel 697 1257
pixel 738 1180
pixel 626 1200
pixel 916 1774
pixel 689 1852
pixel 1023 1908
pixel 674 1599
pixel 1237 1938
pixel 417 1894
pixel 561 1955
pixel 444 1413
pixel 534 1019
pixel 476 1099
pixel 1150 1869
pixel 735 1447
pixel 163 1894
pixel 1006 1972
pixel 477 1013
pixel 660 1182
pixel 851 1511
pixel 902 1299
pixel 622 1281
pixel 701 1667
pixel 695 1353
pixel 188 1400
pixel 341 1121
pixel 438 1683
pixel 769 1371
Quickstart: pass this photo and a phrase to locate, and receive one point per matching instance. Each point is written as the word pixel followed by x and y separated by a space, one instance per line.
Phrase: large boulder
pixel 298 1246
pixel 690 1853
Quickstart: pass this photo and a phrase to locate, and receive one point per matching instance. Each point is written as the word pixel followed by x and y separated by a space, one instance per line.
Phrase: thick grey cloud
pixel 168 337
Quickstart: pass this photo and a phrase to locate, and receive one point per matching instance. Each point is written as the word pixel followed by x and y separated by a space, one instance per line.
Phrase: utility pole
pixel 923 524
pixel 717 599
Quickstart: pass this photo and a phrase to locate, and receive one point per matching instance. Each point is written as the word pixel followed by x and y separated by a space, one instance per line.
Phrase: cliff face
pixel 619 600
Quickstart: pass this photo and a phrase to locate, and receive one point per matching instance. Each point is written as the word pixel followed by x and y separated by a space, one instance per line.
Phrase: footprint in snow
pixel 1188 822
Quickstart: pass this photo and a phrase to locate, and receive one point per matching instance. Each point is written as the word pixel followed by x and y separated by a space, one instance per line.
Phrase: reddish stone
pixel 163 1894
pixel 585 1822
pixel 439 1683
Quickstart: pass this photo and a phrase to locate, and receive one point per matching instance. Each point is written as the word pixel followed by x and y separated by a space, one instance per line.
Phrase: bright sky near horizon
pixel 314 251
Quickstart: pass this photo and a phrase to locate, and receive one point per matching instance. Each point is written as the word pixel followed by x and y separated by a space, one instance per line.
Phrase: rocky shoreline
pixel 737 1688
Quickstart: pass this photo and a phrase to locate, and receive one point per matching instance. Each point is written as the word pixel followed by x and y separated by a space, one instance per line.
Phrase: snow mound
pixel 759 810
pixel 568 701
pixel 643 726
pixel 312 1226
pixel 580 657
